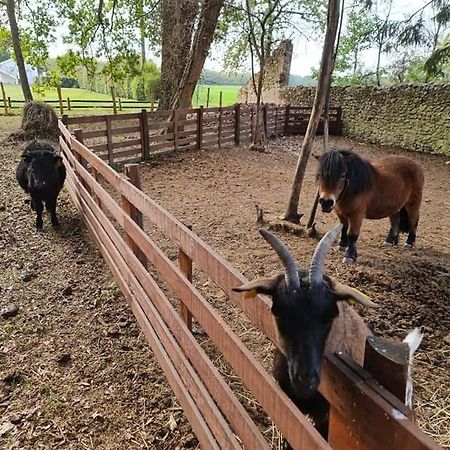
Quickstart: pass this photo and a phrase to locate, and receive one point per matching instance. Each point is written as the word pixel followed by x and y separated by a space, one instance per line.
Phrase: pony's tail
pixel 404 221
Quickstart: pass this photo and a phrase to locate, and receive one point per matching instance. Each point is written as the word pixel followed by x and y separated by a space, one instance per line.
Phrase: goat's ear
pixel 260 286
pixel 352 295
pixel 58 161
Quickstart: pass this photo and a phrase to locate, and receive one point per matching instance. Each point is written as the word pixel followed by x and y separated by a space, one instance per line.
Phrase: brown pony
pixel 356 189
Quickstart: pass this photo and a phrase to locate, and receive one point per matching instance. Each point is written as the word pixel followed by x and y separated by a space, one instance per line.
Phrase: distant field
pixel 229 97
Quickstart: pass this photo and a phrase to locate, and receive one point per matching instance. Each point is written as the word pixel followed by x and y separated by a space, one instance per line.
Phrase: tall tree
pixel 15 37
pixel 326 68
pixel 177 28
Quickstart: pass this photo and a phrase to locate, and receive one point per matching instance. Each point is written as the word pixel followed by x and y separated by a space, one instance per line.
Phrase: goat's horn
pixel 291 274
pixel 318 259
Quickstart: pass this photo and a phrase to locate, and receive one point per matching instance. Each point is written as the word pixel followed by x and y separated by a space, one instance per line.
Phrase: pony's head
pixel 332 178
pixel 304 304
pixel 342 174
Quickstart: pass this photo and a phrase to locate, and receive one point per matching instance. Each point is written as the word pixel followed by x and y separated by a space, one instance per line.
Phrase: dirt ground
pixel 76 373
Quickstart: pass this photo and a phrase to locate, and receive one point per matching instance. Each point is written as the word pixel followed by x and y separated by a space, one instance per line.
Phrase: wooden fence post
pixel 109 141
pixel 264 113
pixel 64 119
pixel 286 119
pixel 132 172
pixel 9 103
pixel 69 106
pixel 199 127
pixel 388 362
pixel 219 127
pixel 237 124
pixel 207 97
pixel 5 102
pixel 113 95
pixel 145 142
pixel 61 106
pixel 120 104
pixel 185 264
pixel 175 129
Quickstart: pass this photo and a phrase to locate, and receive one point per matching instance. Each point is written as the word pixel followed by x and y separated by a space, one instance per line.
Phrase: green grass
pixel 229 97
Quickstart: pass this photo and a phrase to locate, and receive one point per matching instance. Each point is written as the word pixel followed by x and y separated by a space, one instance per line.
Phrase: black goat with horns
pixel 312 317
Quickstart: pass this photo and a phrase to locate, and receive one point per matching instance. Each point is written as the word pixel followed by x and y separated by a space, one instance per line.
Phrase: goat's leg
pixel 39 208
pixel 51 207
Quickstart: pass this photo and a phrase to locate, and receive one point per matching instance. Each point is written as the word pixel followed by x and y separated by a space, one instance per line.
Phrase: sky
pixel 307 53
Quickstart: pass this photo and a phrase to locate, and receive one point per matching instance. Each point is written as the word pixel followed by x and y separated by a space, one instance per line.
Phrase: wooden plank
pixel 131 152
pixel 127 143
pixel 85 119
pixel 167 144
pixel 378 423
pixel 187 122
pixel 89 134
pixel 200 128
pixel 161 137
pixel 237 124
pixel 125 130
pixel 160 113
pixel 160 125
pixel 99 148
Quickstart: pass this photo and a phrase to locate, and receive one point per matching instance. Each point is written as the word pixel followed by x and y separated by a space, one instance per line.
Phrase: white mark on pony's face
pixel 398 415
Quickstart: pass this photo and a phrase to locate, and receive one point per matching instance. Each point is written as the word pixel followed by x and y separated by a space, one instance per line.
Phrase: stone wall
pixel 415 117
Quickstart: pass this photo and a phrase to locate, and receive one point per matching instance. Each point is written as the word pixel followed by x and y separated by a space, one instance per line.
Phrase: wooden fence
pixel 135 136
pixel 363 415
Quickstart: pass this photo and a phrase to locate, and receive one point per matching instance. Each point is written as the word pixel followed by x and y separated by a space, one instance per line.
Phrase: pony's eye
pixel 343 176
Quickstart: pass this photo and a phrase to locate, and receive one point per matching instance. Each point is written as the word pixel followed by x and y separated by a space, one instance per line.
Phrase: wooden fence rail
pixel 363 414
pixel 135 136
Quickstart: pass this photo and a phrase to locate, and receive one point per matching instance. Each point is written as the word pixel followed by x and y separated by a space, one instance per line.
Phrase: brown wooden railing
pixel 363 415
pixel 135 136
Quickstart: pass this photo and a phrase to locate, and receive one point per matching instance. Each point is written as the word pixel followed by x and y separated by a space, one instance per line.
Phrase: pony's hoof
pixel 407 246
pixel 388 244
pixel 341 248
pixel 349 260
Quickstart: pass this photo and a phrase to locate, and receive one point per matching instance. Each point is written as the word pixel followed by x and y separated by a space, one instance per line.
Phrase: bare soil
pixel 75 371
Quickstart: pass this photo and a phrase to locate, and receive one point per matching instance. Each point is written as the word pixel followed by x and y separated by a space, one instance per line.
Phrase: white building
pixel 9 72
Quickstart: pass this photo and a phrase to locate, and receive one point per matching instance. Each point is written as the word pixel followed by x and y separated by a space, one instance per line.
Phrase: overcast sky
pixel 306 53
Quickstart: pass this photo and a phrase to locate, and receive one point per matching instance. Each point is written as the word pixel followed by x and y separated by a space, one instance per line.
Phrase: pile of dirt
pixel 39 121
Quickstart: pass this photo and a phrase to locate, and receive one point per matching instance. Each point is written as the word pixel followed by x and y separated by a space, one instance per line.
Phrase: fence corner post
pixel 64 119
pixel 5 101
pixel 237 124
pixel 145 141
pixel 185 264
pixel 131 171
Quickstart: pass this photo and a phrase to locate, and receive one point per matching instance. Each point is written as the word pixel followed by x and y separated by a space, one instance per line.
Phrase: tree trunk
pixel 10 7
pixel 140 9
pixel 209 15
pixel 178 20
pixel 326 118
pixel 326 68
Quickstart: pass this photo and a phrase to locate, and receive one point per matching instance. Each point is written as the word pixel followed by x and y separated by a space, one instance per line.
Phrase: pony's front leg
pixel 343 243
pixel 354 228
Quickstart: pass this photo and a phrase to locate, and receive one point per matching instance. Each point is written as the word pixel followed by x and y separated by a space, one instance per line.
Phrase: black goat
pixel 312 317
pixel 41 173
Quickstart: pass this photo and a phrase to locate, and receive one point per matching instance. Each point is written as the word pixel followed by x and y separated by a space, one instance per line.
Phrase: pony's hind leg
pixel 412 210
pixel 392 237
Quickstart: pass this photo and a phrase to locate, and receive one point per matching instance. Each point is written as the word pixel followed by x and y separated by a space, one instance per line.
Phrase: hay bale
pixel 39 120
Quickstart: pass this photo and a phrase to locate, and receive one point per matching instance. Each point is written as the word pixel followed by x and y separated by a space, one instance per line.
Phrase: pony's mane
pixel 359 171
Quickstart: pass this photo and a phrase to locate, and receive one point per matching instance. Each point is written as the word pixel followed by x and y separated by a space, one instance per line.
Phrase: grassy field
pixel 229 97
